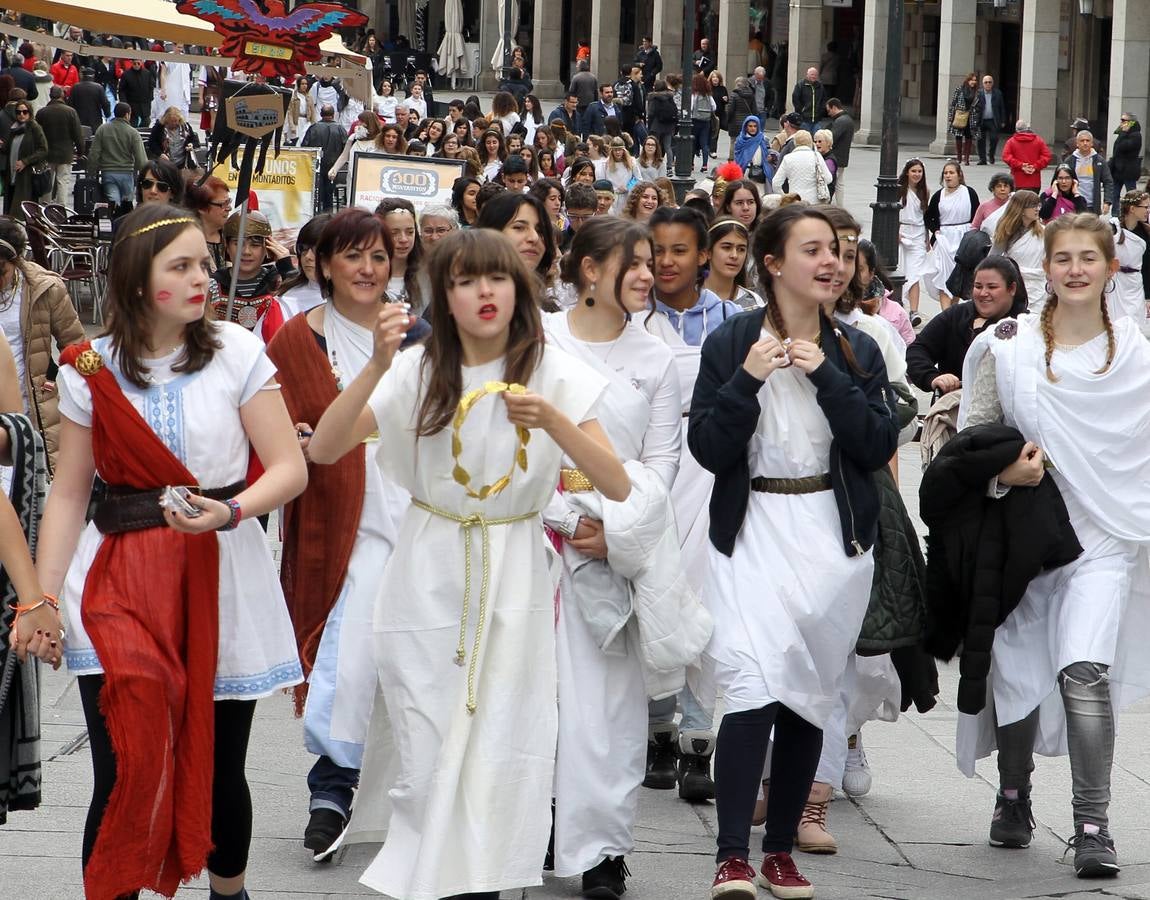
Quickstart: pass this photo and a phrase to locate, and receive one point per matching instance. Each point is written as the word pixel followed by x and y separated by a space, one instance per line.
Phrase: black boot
pixel 608 880
pixel 695 751
pixel 661 758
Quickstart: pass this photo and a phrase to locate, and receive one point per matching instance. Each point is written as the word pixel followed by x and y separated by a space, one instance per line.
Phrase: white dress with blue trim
pixel 197 416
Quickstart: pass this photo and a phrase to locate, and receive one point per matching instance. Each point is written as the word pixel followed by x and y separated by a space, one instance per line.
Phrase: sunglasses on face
pixel 23 112
pixel 162 186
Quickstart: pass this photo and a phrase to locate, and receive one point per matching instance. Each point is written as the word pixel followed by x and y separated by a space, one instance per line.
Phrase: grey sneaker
pixel 1012 824
pixel 1094 855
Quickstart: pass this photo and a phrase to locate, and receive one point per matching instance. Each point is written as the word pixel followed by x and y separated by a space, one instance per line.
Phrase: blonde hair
pixel 803 139
pixel 825 134
pixel 1010 227
pixel 1099 229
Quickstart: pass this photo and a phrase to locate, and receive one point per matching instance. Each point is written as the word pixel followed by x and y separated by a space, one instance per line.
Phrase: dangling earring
pixel 590 301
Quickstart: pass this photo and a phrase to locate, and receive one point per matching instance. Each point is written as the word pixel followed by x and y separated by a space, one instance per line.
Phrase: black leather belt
pixel 127 509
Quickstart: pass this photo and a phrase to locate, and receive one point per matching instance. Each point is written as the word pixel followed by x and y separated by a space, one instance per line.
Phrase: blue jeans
pixel 332 786
pixel 695 718
pixel 119 187
pixel 702 131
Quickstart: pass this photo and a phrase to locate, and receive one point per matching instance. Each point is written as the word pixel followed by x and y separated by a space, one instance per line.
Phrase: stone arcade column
pixel 667 33
pixel 1130 65
pixel 956 59
pixel 604 39
pixel 734 26
pixel 546 50
pixel 869 116
pixel 805 43
pixel 1038 84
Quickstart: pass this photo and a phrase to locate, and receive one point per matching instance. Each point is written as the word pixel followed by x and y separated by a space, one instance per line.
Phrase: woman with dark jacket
pixel 26 148
pixel 793 414
pixel 662 115
pixel 1126 157
pixel 966 103
pixel 934 360
pixel 173 139
pixel 740 105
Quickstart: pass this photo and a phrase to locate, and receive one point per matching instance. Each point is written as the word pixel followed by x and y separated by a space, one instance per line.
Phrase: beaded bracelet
pixel 237 515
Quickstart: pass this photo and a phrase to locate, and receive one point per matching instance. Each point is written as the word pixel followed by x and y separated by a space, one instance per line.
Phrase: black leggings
pixel 231 800
pixel 740 753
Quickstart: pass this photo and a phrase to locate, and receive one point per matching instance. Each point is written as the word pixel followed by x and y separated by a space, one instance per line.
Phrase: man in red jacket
pixel 1027 155
pixel 65 73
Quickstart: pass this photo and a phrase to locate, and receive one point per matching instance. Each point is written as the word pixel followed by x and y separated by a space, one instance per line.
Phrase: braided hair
pixel 770 240
pixel 1103 237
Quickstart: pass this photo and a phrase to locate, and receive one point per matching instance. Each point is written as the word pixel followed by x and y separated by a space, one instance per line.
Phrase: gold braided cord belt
pixel 809 484
pixel 468 523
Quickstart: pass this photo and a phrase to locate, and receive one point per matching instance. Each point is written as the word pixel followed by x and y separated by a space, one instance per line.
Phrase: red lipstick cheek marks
pixel 163 296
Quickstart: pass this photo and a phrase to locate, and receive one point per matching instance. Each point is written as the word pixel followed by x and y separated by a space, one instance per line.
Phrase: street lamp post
pixel 884 223
pixel 684 142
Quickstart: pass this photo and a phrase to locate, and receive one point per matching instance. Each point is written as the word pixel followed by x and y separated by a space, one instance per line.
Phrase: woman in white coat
pixel 912 240
pixel 948 217
pixel 803 171
pixel 602 698
pixel 1018 236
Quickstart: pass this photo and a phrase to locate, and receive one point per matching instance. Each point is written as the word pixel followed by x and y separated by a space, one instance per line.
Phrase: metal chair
pixel 76 263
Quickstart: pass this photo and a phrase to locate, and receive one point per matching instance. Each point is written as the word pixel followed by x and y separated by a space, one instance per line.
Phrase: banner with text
pixel 423 181
pixel 287 190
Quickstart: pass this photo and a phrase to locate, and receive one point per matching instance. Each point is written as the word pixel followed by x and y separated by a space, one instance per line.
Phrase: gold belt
pixel 467 523
pixel 809 484
pixel 574 481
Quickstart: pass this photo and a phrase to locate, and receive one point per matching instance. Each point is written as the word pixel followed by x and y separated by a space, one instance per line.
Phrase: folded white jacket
pixel 641 594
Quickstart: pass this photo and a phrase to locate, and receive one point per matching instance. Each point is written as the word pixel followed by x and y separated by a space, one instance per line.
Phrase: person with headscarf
pixel 751 148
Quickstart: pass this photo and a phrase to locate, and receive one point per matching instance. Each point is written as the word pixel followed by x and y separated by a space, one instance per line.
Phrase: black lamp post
pixel 684 141
pixel 884 223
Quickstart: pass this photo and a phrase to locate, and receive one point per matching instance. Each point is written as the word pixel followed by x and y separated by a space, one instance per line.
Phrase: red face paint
pixel 163 295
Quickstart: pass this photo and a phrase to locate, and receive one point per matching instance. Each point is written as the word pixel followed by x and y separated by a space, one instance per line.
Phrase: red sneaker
pixel 783 879
pixel 734 880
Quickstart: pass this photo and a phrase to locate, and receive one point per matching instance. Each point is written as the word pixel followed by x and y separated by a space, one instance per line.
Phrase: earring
pixel 1111 285
pixel 590 301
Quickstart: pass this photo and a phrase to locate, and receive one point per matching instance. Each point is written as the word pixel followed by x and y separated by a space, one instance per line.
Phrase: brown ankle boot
pixel 812 836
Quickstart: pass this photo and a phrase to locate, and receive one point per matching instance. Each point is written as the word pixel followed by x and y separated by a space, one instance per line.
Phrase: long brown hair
pixel 1099 229
pixel 771 240
pixel 1010 227
pixel 598 239
pixel 142 234
pixel 842 221
pixel 474 252
pixel 919 189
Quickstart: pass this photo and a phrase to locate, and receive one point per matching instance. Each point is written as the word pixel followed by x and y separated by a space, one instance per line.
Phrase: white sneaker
pixel 856 776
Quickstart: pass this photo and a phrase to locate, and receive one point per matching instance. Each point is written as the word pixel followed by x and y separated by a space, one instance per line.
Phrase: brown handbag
pixel 961 118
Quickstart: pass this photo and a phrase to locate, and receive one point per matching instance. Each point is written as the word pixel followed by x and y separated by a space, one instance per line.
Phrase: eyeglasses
pixel 434 230
pixel 580 217
pixel 23 112
pixel 147 184
pixel 221 204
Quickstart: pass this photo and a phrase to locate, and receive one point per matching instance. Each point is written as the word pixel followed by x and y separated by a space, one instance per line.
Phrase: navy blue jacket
pixel 725 412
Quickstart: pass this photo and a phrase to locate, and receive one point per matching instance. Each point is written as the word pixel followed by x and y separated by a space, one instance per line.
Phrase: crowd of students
pixel 570 471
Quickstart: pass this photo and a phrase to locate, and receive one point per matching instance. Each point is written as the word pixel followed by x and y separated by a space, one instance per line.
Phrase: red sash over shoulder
pixel 319 525
pixel 151 609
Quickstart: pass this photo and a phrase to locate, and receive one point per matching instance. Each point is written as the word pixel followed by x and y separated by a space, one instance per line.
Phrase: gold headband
pixel 161 223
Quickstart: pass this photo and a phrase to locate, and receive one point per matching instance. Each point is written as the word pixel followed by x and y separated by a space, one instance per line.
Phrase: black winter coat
pixel 896 613
pixel 859 408
pixel 742 104
pixel 982 553
pixel 1126 156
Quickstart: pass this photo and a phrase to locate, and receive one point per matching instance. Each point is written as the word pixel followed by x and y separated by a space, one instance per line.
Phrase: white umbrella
pixel 452 53
pixel 497 58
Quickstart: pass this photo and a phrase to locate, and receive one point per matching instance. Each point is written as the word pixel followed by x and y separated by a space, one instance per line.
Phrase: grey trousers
pixel 1085 689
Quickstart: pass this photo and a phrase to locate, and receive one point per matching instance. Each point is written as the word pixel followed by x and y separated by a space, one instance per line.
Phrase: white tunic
pixel 471 793
pixel 1028 254
pixel 197 417
pixel 341 687
pixel 1129 297
pixel 914 261
pixel 955 215
pixel 1097 608
pixel 602 750
pixel 788 603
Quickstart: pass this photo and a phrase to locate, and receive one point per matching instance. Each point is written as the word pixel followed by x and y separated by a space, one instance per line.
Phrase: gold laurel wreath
pixel 460 474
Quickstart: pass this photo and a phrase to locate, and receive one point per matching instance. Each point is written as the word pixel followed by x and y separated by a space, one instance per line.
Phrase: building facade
pixel 1054 60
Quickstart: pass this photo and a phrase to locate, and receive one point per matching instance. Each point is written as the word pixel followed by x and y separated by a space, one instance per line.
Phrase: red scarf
pixel 320 525
pixel 151 609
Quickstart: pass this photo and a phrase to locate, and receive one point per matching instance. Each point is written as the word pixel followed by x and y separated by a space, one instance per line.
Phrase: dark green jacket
pixel 61 125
